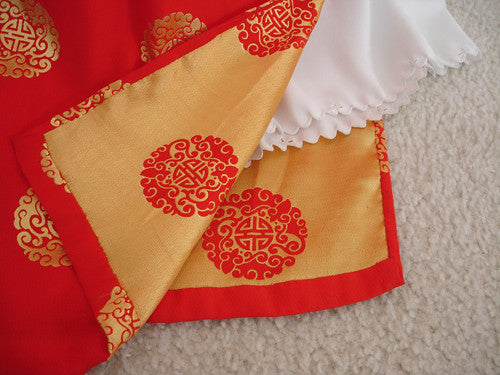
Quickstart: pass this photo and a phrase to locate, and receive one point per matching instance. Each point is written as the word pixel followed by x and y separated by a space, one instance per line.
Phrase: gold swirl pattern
pixel 164 34
pixel 28 39
pixel 283 25
pixel 37 235
pixel 118 319
pixel 383 158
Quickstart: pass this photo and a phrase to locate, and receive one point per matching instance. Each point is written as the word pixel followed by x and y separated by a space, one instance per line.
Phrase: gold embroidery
pixel 383 158
pixel 164 34
pixel 37 235
pixel 118 319
pixel 28 39
pixel 88 104
pixel 50 168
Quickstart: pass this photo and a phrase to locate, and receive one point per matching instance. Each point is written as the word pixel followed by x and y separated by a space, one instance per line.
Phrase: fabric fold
pixel 175 136
pixel 165 146
pixel 135 204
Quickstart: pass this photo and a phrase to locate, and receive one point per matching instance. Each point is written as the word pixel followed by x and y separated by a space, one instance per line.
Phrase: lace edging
pixel 340 119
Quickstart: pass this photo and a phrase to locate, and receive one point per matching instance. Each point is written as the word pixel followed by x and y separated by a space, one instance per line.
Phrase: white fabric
pixel 363 60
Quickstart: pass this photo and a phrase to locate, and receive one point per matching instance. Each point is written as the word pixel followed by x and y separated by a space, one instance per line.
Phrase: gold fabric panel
pixel 336 186
pixel 48 166
pixel 217 90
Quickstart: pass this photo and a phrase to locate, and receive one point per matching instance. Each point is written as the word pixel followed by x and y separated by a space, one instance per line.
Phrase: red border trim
pixel 291 297
pixel 89 260
pixel 287 298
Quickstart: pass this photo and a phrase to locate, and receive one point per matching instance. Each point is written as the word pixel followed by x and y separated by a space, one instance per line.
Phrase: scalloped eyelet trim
pixel 337 118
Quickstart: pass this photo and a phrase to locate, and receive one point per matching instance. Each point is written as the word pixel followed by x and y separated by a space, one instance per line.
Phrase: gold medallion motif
pixel 164 34
pixel 28 39
pixel 118 319
pixel 37 235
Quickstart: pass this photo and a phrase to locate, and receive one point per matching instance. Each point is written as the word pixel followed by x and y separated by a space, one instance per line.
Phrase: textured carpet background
pixel 443 148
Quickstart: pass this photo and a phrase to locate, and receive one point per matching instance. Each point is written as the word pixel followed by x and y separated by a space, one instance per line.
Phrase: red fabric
pixel 79 240
pixel 47 323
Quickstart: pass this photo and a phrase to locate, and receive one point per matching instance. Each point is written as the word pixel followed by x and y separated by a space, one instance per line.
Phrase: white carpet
pixel 444 320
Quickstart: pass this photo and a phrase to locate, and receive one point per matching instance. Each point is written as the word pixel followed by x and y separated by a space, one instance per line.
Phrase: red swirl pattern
pixel 382 156
pixel 255 234
pixel 88 104
pixel 186 177
pixel 118 319
pixel 283 25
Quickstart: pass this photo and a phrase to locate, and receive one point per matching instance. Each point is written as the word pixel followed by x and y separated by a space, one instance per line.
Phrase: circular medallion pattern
pixel 36 233
pixel 28 39
pixel 192 176
pixel 276 28
pixel 255 234
pixel 164 34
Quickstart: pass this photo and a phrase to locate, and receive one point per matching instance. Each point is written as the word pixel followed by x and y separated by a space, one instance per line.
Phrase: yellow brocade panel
pixel 336 186
pixel 128 160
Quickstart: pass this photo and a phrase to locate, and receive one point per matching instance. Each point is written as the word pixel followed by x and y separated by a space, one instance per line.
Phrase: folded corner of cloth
pixel 136 205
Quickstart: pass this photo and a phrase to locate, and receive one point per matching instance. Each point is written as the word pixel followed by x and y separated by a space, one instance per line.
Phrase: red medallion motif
pixel 186 177
pixel 254 234
pixel 278 27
